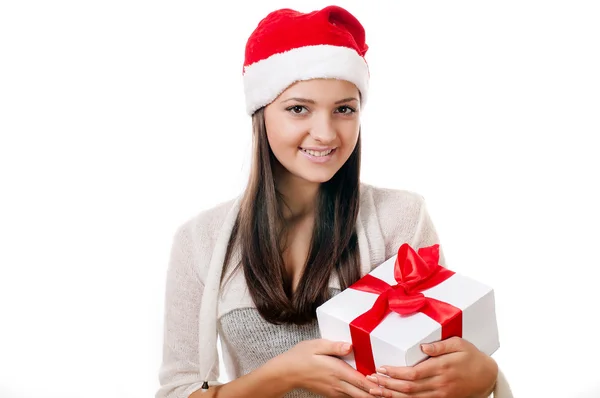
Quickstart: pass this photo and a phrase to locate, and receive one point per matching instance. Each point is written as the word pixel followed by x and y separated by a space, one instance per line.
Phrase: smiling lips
pixel 317 153
pixel 318 156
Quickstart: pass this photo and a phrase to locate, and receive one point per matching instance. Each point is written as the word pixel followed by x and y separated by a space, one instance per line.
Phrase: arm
pixel 502 388
pixel 179 371
pixel 269 381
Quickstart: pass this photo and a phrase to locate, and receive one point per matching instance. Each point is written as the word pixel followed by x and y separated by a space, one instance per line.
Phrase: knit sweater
pixel 197 308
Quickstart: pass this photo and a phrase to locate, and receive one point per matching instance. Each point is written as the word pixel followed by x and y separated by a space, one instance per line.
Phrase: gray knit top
pixel 235 327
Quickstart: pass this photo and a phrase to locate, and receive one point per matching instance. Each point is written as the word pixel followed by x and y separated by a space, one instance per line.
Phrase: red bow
pixel 414 273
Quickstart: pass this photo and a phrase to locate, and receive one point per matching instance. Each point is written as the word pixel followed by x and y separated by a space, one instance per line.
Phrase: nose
pixel 323 129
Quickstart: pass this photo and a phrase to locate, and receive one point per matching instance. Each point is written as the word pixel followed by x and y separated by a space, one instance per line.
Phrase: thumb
pixel 447 346
pixel 328 347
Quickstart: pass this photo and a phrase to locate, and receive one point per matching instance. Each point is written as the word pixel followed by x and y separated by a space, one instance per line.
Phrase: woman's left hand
pixel 455 369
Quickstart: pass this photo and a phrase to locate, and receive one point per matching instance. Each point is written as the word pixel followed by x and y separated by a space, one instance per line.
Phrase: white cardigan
pixel 387 218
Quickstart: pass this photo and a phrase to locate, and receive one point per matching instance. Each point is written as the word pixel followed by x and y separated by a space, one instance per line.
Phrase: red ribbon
pixel 414 273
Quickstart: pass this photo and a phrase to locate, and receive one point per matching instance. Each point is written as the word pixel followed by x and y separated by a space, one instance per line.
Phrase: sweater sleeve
pixel 502 389
pixel 179 374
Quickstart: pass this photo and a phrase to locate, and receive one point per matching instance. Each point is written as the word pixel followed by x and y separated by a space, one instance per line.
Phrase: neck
pixel 298 194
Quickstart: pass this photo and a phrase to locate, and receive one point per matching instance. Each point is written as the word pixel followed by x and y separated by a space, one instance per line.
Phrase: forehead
pixel 321 90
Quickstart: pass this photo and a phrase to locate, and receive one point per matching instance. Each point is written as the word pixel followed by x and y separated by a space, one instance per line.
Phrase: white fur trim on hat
pixel 266 79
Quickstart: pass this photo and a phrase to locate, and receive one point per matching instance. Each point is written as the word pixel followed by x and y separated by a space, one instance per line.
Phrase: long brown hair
pixel 260 226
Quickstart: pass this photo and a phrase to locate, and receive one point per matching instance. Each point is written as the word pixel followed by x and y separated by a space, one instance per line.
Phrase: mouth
pixel 318 154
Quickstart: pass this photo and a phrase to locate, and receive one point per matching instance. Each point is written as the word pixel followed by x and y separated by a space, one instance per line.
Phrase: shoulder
pixel 208 220
pixel 400 215
pixel 201 231
pixel 390 202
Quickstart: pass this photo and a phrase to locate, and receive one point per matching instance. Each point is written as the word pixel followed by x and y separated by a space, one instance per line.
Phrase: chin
pixel 317 178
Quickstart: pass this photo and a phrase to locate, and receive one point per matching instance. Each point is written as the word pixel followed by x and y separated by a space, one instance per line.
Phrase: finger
pixel 328 347
pixel 388 385
pixel 353 391
pixel 356 379
pixel 385 393
pixel 425 369
pixel 433 366
pixel 453 344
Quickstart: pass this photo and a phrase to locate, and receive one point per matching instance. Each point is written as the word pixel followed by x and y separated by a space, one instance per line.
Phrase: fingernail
pixel 376 391
pixel 345 347
pixel 372 378
pixel 426 346
pixel 382 370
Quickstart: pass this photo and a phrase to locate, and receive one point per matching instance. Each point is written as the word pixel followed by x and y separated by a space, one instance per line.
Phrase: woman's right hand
pixel 313 366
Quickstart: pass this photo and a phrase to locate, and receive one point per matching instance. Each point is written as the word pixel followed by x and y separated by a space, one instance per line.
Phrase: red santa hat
pixel 289 46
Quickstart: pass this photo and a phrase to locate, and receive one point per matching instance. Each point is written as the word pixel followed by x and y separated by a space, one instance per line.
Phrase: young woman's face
pixel 313 127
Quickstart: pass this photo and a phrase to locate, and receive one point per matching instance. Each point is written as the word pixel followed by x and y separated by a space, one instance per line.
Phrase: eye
pixel 345 110
pixel 296 109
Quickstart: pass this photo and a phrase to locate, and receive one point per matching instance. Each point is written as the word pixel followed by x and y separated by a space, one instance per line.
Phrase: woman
pixel 254 269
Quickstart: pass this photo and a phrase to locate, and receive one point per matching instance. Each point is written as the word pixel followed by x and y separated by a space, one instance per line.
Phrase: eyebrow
pixel 309 101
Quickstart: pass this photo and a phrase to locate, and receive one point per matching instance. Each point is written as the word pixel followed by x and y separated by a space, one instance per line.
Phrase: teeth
pixel 317 153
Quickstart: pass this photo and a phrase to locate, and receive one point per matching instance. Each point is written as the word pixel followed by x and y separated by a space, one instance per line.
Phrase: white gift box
pixel 397 340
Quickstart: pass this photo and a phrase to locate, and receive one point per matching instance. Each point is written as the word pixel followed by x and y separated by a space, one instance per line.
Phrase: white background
pixel 119 120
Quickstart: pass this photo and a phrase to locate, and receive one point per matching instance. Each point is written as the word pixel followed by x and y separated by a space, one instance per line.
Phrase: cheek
pixel 349 137
pixel 284 138
pixel 283 142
